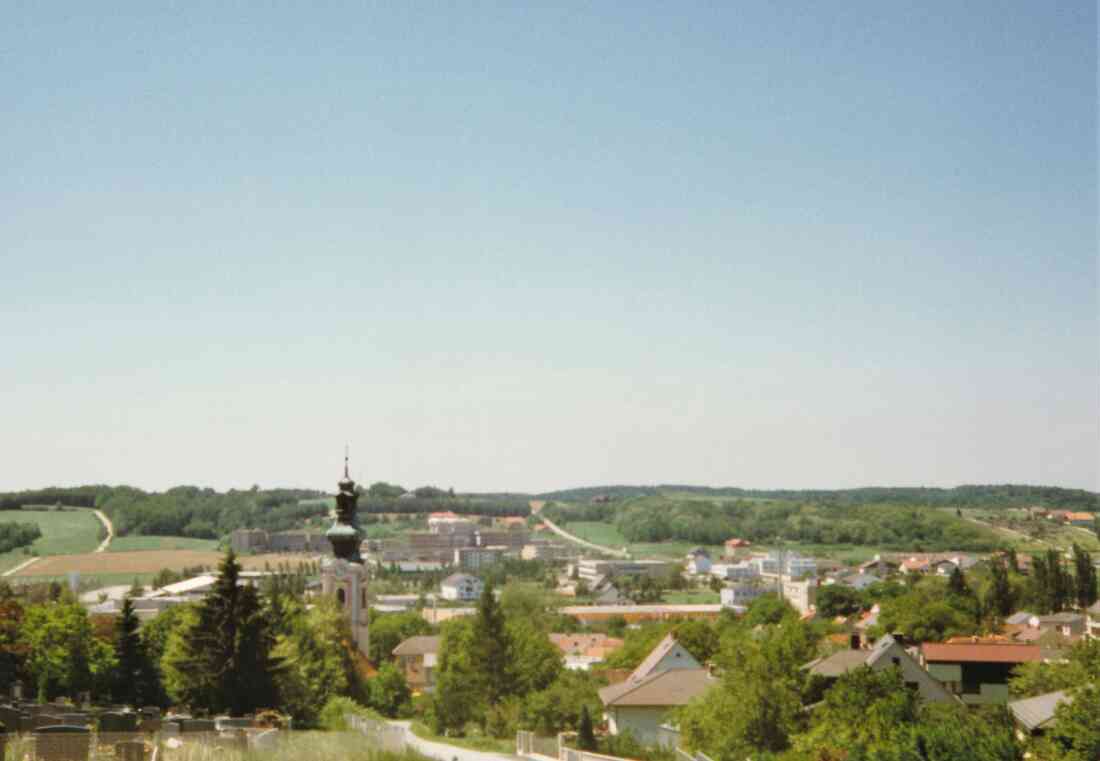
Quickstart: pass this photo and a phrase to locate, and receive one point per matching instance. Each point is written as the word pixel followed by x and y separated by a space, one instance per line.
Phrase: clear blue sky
pixel 530 246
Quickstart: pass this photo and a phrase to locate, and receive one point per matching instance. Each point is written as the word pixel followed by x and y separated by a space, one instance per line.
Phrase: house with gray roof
pixel 886 653
pixel 1034 715
pixel 669 677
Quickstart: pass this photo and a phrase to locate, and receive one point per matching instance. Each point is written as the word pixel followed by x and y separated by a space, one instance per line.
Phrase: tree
pixel 490 654
pixel 956 583
pixel 1076 731
pixel 586 737
pixel 1085 591
pixel 757 706
pixel 1000 597
pixel 838 600
pixel 317 661
pixel 136 681
pixel 389 692
pixel 457 697
pixel 535 662
pixel 64 657
pixel 222 659
pixel 861 714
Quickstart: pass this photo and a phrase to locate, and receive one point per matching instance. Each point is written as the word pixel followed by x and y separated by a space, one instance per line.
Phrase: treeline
pixel 22 499
pixel 14 535
pixel 187 510
pixel 997 495
pixel 459 506
pixel 890 526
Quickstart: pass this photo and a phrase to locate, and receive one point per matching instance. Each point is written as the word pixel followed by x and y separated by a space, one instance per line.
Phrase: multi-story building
pixel 777 563
pixel 450 523
pixel 594 570
pixel 474 558
pixel 543 550
pixel 256 540
pixel 741 594
pixel 735 571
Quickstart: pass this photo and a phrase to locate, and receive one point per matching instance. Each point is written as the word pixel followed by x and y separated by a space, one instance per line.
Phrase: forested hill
pixel 998 495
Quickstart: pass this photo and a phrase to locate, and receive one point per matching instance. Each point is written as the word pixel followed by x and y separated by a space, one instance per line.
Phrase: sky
pixel 530 246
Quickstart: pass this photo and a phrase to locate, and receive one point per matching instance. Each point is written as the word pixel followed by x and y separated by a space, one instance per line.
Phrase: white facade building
pixel 461 586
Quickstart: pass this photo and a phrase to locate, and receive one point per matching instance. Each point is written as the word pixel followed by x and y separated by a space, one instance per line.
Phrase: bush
pixel 333 716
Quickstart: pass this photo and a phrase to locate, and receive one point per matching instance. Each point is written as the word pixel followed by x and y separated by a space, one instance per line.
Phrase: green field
pixel 603 534
pixel 133 543
pixel 64 532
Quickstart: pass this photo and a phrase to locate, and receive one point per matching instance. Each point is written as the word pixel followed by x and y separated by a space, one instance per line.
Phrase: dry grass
pixel 151 561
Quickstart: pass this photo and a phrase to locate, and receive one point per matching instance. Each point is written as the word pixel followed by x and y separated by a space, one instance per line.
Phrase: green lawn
pixel 506 746
pixel 132 543
pixel 64 532
pixel 599 533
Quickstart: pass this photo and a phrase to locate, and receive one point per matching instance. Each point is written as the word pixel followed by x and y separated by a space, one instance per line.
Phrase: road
pixel 583 542
pixel 445 752
pixel 1013 532
pixel 110 531
pixel 18 568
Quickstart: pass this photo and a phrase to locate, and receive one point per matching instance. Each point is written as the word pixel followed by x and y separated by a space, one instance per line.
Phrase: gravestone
pixel 132 750
pixel 226 722
pixel 149 726
pixel 118 722
pixel 9 716
pixel 76 719
pixel 62 743
pixel 47 720
pixel 169 728
pixel 190 726
pixel 266 740
pixel 150 712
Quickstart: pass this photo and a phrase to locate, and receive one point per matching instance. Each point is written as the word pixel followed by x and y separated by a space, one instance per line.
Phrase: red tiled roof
pixel 978 652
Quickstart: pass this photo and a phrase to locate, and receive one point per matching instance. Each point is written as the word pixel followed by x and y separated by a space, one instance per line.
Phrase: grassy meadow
pixel 63 532
pixel 137 543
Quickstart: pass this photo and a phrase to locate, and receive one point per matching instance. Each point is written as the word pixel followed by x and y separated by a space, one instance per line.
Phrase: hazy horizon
pixel 508 248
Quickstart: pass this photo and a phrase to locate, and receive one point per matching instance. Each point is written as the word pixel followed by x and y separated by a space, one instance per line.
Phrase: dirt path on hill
pixel 18 568
pixel 582 542
pixel 110 531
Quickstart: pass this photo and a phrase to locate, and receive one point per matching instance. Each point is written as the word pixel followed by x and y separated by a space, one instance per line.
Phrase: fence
pixel 528 744
pixel 379 734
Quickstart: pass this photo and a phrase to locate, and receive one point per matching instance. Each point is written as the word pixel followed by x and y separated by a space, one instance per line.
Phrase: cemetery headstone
pixel 189 726
pixel 47 720
pixel 118 722
pixel 62 743
pixel 131 750
pixel 76 719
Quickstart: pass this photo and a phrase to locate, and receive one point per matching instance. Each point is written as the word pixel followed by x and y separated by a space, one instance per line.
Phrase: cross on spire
pixel 346 461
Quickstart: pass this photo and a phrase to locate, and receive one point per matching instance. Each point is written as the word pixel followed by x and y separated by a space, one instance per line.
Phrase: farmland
pixel 136 543
pixel 146 562
pixel 63 531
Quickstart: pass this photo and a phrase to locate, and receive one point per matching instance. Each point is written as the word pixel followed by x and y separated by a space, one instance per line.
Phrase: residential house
pixel 669 677
pixel 698 562
pixel 1035 715
pixel 582 651
pixel 1084 520
pixel 1093 627
pixel 858 581
pixel 447 522
pixel 1070 625
pixel 977 672
pixel 417 657
pixel 777 563
pixel 886 653
pixel 461 586
pixel 879 566
pixel 734 544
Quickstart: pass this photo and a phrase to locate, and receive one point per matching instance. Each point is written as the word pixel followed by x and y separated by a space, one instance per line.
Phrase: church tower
pixel 344 576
